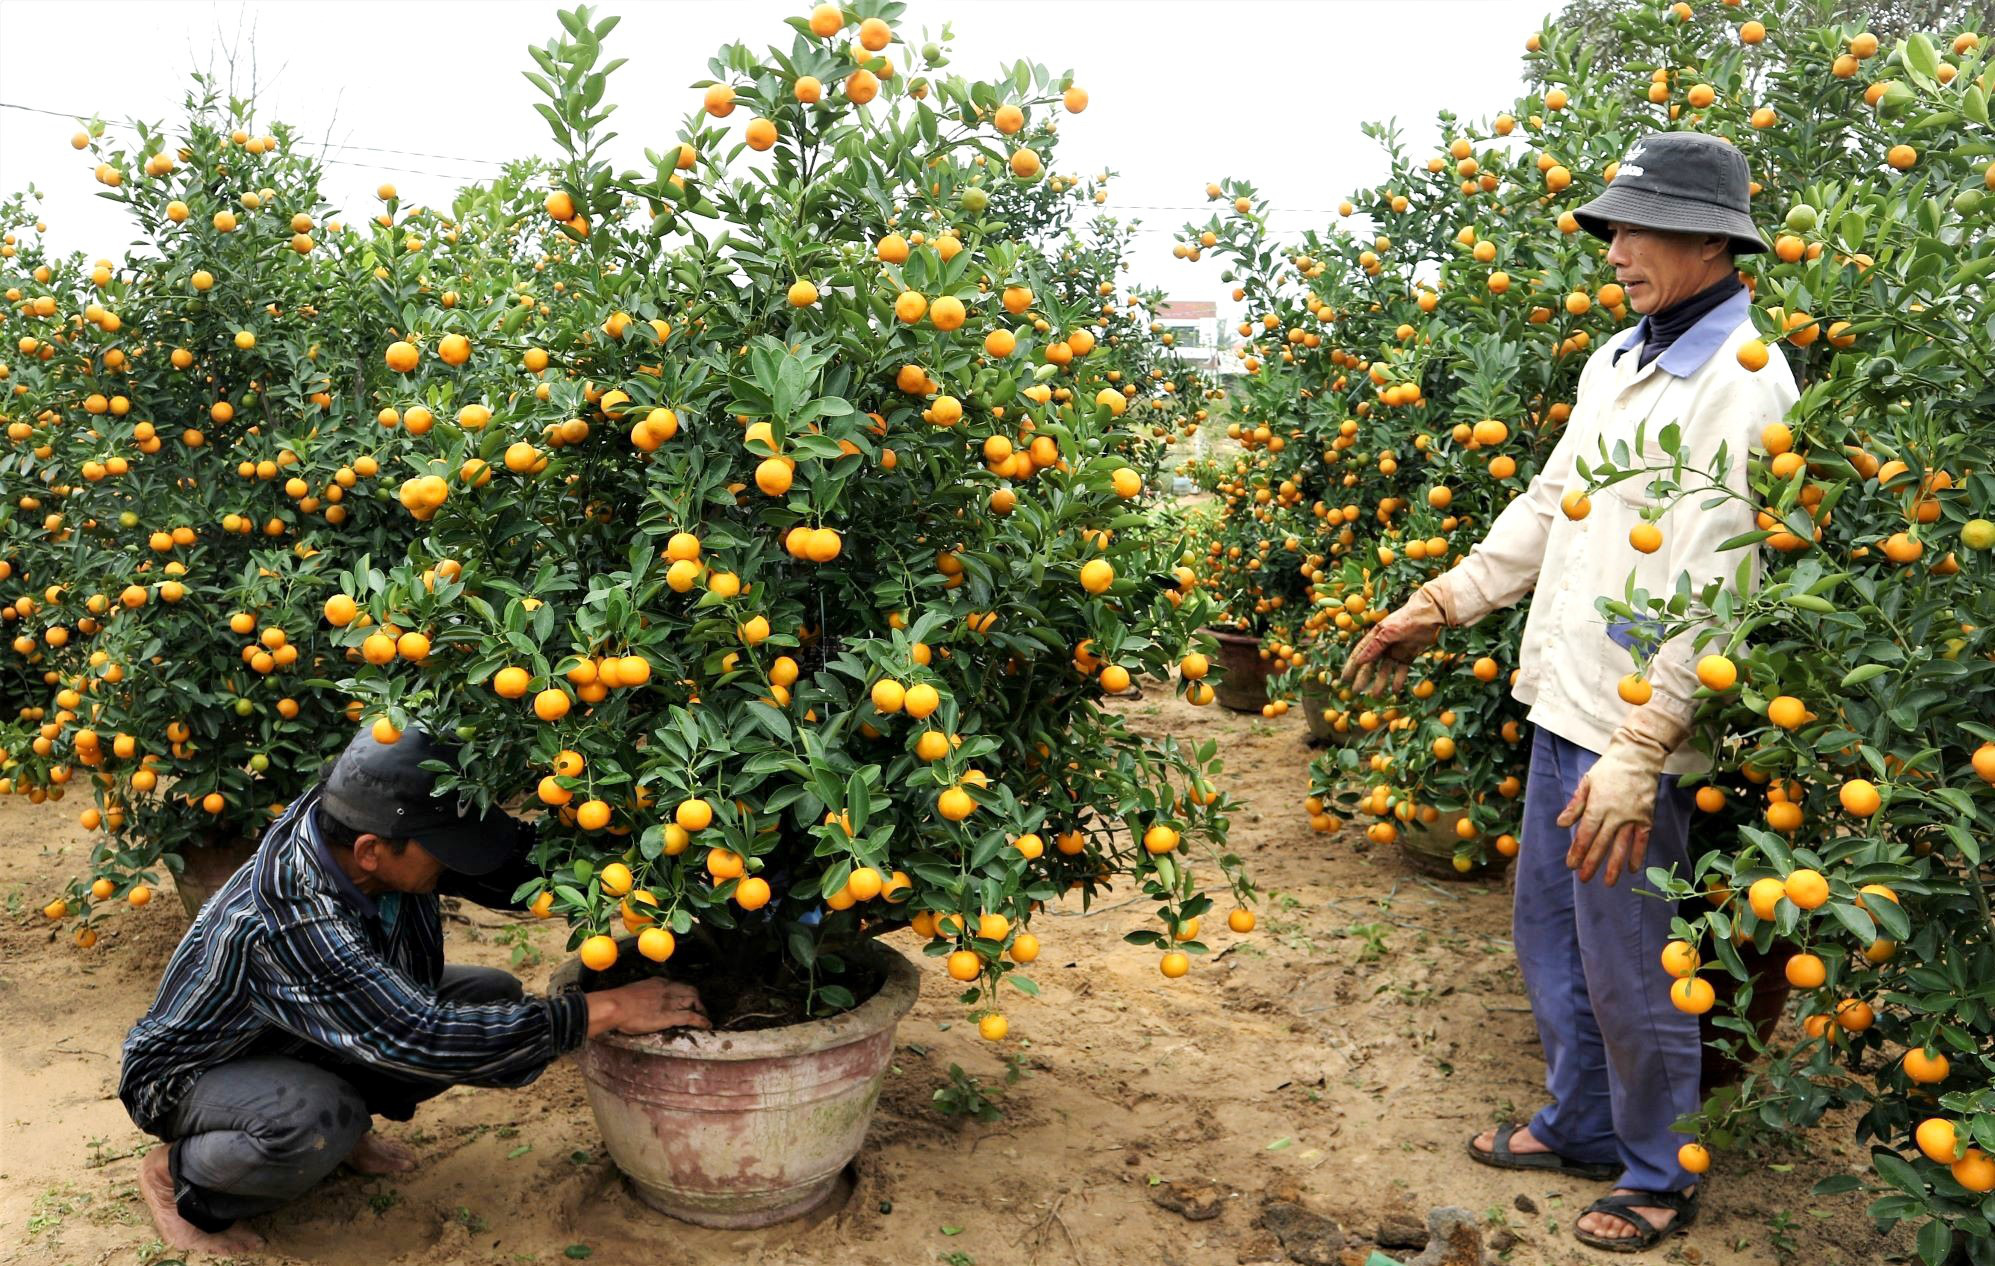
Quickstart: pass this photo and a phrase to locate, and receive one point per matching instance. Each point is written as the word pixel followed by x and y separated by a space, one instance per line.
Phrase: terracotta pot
pixel 1431 849
pixel 1243 682
pixel 745 1129
pixel 205 869
pixel 1316 700
pixel 1768 972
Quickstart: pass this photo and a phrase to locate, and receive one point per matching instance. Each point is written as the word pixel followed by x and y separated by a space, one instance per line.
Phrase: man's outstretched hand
pixel 649 1006
pixel 1378 664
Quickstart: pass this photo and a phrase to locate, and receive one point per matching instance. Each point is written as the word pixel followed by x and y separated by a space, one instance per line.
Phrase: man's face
pixel 411 870
pixel 1658 268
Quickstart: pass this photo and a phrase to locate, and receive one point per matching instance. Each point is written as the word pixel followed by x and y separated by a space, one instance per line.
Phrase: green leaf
pixel 1857 921
pixel 858 803
pixel 772 719
pixel 1935 1242
pixel 1921 57
pixel 1857 676
pixel 1898 1173
pixel 1891 919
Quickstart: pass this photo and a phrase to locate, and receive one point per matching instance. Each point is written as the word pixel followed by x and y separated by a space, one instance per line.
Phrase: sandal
pixel 1501 1157
pixel 1647 1234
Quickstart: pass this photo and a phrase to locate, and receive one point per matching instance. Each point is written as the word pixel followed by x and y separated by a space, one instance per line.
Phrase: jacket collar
pixel 1695 347
pixel 307 826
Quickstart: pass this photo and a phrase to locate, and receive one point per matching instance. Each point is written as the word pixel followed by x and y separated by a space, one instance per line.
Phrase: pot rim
pixel 1227 637
pixel 895 997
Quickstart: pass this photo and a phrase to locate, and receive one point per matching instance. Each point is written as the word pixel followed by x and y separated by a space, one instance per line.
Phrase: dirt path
pixel 1344 1049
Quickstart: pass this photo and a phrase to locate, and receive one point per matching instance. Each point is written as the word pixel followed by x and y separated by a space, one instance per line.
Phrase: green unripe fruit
pixel 1800 218
pixel 128 520
pixel 974 200
pixel 244 707
pixel 259 762
pixel 1978 534
pixel 1968 201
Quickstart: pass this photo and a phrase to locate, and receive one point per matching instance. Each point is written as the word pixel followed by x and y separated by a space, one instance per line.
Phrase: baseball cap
pixel 383 789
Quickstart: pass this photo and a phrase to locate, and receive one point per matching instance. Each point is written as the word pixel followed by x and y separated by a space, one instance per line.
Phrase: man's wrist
pixel 1441 595
pixel 605 1011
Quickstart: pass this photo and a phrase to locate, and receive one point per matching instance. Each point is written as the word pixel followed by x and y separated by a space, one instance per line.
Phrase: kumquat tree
pixel 774 518
pixel 187 431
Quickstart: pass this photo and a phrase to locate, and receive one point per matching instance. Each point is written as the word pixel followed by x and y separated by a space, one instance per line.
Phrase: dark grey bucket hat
pixel 1682 182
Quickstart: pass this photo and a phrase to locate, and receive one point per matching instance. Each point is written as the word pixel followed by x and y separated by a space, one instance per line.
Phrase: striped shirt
pixel 289 955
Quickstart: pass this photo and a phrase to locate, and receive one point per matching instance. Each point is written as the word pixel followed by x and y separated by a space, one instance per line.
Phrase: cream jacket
pixel 1571 661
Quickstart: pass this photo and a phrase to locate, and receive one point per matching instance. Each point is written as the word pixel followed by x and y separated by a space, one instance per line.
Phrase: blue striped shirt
pixel 290 955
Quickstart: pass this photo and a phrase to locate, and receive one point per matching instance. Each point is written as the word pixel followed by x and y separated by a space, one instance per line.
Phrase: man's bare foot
pixel 1608 1227
pixel 376 1155
pixel 1522 1142
pixel 156 1185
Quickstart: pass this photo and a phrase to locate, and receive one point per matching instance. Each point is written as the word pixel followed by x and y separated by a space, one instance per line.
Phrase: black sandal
pixel 1647 1234
pixel 1501 1157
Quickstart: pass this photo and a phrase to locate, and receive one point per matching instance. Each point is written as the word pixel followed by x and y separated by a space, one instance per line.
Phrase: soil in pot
pixel 740 994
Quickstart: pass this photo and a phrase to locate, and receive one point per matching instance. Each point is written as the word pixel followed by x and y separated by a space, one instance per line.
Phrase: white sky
pixel 1181 92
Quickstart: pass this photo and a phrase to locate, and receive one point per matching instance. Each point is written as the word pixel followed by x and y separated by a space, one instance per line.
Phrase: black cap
pixel 382 789
pixel 1682 182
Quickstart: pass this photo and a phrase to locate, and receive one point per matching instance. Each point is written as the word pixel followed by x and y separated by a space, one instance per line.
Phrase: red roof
pixel 1184 310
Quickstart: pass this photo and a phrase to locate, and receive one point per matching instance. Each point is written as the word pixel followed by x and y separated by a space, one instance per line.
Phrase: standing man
pixel 1621 1062
pixel 311 995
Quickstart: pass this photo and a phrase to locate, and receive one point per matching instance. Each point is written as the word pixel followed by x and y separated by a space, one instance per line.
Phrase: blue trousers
pixel 1621 1062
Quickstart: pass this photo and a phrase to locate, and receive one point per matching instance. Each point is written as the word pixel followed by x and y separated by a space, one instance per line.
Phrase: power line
pixel 1215 204
pixel 1187 207
pixel 335 145
pixel 1140 230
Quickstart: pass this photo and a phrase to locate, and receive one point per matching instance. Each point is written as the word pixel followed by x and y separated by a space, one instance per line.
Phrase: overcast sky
pixel 1181 93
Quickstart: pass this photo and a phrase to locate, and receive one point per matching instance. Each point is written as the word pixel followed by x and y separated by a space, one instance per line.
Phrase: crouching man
pixel 310 996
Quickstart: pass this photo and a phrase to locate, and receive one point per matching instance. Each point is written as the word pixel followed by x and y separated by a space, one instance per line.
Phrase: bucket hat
pixel 1681 182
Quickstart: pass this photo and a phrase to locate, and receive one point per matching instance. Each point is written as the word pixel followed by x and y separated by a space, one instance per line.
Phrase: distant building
pixel 1195 335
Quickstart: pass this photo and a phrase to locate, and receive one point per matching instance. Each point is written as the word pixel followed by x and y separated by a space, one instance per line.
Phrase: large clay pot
pixel 745 1129
pixel 205 869
pixel 1768 972
pixel 1316 701
pixel 1243 683
pixel 1430 848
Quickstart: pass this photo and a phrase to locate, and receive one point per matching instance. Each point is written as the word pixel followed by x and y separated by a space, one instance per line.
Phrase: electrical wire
pixel 325 158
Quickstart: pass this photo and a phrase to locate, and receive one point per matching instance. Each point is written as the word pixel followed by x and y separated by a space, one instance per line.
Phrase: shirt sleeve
pixel 321 981
pixel 495 891
pixel 1732 421
pixel 1503 566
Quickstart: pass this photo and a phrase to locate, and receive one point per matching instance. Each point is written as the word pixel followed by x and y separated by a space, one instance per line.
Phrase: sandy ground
pixel 1343 1049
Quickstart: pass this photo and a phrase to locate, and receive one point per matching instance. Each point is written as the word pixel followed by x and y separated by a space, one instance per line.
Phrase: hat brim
pixel 476 844
pixel 1650 210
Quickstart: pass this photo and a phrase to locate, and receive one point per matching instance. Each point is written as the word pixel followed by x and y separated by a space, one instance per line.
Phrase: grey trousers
pixel 255 1134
